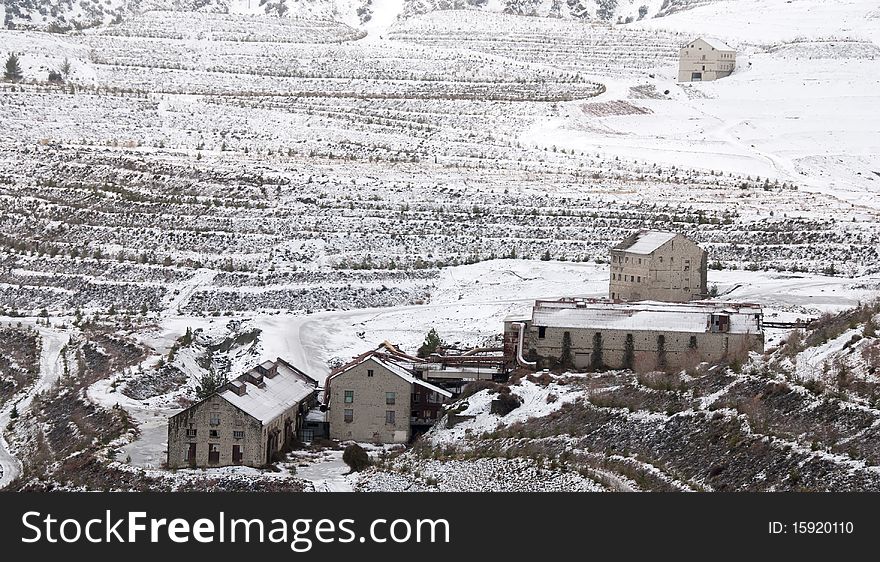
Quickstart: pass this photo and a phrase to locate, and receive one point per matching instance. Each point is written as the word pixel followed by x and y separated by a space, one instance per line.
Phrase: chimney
pixel 255 378
pixel 238 387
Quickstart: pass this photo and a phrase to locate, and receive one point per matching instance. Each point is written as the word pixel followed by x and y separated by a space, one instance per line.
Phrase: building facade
pixel 705 59
pixel 644 336
pixel 658 266
pixel 373 399
pixel 248 421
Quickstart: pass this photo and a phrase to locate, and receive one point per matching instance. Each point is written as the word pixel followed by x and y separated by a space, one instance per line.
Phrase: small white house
pixel 705 59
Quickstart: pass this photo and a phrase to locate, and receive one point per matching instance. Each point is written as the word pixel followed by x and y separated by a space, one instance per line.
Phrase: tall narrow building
pixel 658 266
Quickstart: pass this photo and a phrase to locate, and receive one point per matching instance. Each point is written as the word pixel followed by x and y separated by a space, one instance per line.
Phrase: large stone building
pixel 642 336
pixel 375 399
pixel 705 59
pixel 246 422
pixel 657 266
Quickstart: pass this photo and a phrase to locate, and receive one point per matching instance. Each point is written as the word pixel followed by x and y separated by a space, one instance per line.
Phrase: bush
pixel 356 457
pixel 505 403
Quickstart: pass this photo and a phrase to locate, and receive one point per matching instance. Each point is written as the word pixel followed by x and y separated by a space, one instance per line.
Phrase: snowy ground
pixel 304 177
pixel 467 307
pixel 53 340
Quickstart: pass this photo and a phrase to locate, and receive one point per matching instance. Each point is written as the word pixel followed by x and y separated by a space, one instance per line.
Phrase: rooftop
pixel 717 44
pixel 647 315
pixel 393 366
pixel 645 241
pixel 274 396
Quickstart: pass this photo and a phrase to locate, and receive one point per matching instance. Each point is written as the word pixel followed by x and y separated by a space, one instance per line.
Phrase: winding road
pixel 53 340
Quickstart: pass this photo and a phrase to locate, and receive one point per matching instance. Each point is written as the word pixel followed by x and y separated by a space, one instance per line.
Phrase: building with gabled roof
pixel 705 59
pixel 657 266
pixel 377 398
pixel 248 421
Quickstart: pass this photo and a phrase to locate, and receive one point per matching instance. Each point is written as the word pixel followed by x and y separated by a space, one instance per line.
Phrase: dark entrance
pixel 213 454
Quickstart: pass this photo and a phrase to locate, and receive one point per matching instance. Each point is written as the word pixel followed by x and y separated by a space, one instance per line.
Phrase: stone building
pixel 705 59
pixel 246 422
pixel 657 266
pixel 643 336
pixel 375 399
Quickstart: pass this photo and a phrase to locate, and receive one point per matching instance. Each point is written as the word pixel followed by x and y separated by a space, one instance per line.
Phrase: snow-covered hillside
pixel 372 15
pixel 339 176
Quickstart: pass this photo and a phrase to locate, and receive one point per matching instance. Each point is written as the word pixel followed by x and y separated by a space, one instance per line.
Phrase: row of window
pixel 390 416
pixel 542 333
pixel 625 259
pixel 390 397
pixel 214 433
pixel 633 278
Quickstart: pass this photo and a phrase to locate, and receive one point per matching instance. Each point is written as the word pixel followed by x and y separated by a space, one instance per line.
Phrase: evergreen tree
pixel 65 68
pixel 431 344
pixel 566 361
pixel 596 362
pixel 629 352
pixel 209 383
pixel 13 69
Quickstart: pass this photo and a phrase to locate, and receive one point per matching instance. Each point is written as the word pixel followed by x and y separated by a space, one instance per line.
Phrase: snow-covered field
pixel 334 178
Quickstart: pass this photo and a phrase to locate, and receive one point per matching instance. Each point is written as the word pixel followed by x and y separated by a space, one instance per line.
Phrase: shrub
pixel 505 403
pixel 356 457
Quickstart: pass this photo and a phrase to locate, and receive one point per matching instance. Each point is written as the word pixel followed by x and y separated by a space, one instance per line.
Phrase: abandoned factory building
pixel 376 399
pixel 248 421
pixel 657 266
pixel 642 336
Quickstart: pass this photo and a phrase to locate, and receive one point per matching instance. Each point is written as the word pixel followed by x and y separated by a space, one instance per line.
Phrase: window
pixel 191 432
pixel 434 398
pixel 542 332
pixel 238 434
pixel 349 396
pixel 693 343
pixel 213 433
pixel 369 372
pixel 390 398
pixel 349 416
pixel 661 259
pixel 389 417
pixel 215 418
pixel 640 261
pixel 640 279
pixel 417 397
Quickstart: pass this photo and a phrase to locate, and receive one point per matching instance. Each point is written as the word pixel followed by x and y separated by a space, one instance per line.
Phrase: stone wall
pixel 198 417
pixel 369 405
pixel 675 272
pixel 680 350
